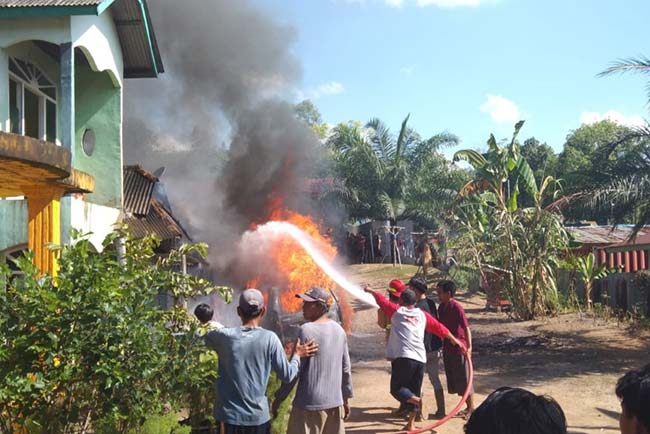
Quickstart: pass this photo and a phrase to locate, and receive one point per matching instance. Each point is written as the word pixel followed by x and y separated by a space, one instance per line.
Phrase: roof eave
pixel 47 11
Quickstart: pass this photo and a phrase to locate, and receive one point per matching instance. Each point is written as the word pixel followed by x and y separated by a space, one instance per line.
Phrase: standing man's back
pixel 246 356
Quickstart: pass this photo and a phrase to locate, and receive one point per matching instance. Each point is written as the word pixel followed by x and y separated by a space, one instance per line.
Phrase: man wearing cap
pixel 395 288
pixel 246 356
pixel 325 380
pixel 406 349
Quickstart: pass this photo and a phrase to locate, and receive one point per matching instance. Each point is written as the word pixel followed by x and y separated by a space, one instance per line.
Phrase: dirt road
pixel 573 358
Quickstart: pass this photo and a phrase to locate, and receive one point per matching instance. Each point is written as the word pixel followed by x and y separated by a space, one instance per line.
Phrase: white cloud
pixel 407 70
pixel 329 88
pixel 501 109
pixel 394 3
pixel 614 116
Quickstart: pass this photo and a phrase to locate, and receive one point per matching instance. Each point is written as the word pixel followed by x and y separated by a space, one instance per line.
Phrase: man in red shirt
pixel 452 315
pixel 406 349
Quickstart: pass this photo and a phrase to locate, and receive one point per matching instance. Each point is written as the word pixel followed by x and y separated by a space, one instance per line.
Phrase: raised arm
pixel 285 369
pixel 435 327
pixel 388 307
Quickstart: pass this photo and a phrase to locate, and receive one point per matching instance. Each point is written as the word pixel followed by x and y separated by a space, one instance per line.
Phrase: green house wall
pixel 98 107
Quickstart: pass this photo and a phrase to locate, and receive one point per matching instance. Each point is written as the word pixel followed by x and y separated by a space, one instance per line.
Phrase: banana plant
pixel 585 265
pixel 525 243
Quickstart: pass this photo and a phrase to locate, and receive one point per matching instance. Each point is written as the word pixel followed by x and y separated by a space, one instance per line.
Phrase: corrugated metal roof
pixel 132 21
pixel 46 3
pixel 140 60
pixel 158 222
pixel 605 236
pixel 601 235
pixel 138 186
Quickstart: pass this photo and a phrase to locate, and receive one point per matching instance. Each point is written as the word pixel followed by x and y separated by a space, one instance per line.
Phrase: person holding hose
pixel 406 349
pixel 452 315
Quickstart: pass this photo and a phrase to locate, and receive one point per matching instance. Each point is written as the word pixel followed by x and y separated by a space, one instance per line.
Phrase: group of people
pixel 418 332
pixel 320 365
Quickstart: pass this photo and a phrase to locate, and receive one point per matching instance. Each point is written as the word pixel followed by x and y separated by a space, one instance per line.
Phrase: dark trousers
pixel 406 380
pixel 265 428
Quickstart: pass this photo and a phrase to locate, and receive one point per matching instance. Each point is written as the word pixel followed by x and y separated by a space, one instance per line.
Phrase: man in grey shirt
pixel 246 356
pixel 324 382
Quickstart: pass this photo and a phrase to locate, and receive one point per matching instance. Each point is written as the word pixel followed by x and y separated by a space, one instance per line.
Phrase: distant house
pixel 62 69
pixel 612 246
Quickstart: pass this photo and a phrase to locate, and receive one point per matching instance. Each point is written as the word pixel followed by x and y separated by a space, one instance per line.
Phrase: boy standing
pixel 452 315
pixel 432 344
pixel 204 314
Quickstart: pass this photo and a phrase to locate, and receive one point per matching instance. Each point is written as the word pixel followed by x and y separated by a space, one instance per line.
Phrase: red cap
pixel 395 287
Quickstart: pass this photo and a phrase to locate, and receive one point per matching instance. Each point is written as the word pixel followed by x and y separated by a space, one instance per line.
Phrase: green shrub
pixel 91 346
pixel 279 424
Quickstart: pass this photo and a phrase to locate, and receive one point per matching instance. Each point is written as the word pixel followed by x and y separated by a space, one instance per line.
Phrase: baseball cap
pixel 315 293
pixel 395 287
pixel 408 297
pixel 251 301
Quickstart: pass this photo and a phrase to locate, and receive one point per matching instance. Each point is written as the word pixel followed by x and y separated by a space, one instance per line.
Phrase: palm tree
pixel 639 65
pixel 627 192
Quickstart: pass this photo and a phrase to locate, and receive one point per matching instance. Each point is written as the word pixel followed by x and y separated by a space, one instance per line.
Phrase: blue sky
pixel 471 67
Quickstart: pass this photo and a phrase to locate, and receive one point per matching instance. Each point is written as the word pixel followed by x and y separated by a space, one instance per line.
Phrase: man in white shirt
pixel 406 349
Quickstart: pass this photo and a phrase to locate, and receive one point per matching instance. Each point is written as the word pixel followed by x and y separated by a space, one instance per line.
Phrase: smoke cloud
pixel 218 118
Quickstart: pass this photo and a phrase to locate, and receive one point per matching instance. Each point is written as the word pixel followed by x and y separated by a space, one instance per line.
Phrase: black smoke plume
pixel 218 118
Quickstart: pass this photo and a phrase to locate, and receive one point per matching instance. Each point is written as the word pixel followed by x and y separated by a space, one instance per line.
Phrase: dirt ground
pixel 574 358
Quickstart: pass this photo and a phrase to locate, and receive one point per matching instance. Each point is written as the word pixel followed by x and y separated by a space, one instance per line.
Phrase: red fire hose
pixel 470 377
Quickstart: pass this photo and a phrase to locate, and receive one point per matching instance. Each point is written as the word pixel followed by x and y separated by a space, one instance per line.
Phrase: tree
pixel 307 112
pixel 540 157
pixel 90 350
pixel 520 245
pixel 639 65
pixel 393 176
pixel 593 155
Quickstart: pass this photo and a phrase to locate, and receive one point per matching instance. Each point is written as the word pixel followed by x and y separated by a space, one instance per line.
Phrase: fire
pixel 297 268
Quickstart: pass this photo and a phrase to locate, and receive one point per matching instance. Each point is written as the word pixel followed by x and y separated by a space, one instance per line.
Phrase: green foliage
pixel 307 112
pixel 521 246
pixel 394 176
pixel 91 345
pixel 586 268
pixel 279 424
pixel 159 424
pixel 642 279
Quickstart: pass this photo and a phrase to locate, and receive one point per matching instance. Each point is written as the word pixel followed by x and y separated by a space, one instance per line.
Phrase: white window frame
pixel 21 84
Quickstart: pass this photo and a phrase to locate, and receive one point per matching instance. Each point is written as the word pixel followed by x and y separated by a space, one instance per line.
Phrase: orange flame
pixel 298 268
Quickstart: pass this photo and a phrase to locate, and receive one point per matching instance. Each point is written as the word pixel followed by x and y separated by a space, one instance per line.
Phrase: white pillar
pixel 4 91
